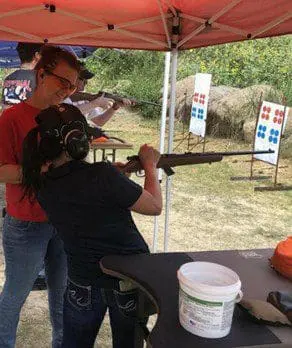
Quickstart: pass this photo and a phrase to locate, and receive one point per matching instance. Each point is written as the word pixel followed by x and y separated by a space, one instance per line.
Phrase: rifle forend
pixel 167 161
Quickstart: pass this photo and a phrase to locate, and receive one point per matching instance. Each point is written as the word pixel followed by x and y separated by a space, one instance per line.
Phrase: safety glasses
pixel 66 84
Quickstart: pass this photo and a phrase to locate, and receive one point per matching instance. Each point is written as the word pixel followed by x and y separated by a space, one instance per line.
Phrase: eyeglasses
pixel 64 82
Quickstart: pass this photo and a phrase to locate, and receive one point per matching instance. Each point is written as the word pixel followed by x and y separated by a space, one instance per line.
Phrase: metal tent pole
pixel 162 136
pixel 170 139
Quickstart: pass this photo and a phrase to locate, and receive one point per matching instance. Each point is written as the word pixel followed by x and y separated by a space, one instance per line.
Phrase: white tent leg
pixel 162 136
pixel 170 140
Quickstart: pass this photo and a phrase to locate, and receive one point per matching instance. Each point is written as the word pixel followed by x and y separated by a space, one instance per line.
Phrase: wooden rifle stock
pixel 167 161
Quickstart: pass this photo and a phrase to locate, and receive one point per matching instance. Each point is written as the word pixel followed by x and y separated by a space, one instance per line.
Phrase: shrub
pixel 139 74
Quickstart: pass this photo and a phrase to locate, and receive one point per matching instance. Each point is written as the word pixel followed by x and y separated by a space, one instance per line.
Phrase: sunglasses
pixel 66 84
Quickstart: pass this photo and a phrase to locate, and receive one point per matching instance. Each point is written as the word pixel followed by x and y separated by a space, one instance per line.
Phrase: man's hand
pixel 123 103
pixel 128 102
pixel 105 103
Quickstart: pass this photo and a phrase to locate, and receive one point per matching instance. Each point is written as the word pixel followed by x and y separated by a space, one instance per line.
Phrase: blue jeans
pixel 84 311
pixel 26 246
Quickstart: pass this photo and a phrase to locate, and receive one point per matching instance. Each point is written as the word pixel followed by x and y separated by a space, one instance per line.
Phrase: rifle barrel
pixel 120 99
pixel 146 102
pixel 167 161
pixel 238 153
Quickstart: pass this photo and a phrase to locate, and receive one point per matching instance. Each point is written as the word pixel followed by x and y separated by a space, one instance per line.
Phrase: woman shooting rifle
pixel 90 205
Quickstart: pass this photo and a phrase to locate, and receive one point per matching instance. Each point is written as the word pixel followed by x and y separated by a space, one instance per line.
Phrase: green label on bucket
pixel 203 302
pixel 211 319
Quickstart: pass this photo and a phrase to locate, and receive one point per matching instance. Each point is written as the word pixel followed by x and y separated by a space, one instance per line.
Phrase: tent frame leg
pixel 162 137
pixel 170 140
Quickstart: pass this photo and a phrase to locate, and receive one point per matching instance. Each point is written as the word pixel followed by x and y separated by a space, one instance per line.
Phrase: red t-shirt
pixel 15 123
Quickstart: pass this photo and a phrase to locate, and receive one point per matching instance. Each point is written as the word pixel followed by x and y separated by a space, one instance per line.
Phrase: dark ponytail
pixel 32 161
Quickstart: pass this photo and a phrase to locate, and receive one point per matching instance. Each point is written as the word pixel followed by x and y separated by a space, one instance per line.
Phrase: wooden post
pixel 280 140
pixel 204 143
pixel 253 142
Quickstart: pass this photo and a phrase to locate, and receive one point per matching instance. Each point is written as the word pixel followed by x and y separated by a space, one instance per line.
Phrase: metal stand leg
pixel 114 155
pixel 103 155
pixel 141 331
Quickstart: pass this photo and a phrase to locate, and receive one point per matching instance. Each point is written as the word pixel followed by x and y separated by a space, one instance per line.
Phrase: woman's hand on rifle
pixel 150 201
pixel 149 157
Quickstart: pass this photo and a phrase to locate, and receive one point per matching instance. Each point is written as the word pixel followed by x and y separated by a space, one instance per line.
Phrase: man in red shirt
pixel 28 239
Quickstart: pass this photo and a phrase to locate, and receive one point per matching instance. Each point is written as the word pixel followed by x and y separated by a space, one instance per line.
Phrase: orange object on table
pixel 282 258
pixel 100 140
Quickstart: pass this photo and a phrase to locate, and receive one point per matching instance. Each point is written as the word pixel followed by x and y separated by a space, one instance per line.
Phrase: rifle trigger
pixel 168 170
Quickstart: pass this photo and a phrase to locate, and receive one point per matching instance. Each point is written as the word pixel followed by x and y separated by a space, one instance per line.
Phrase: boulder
pixel 232 111
pixel 242 107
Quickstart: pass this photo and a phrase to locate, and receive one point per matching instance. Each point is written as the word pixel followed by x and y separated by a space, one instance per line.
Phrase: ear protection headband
pixel 63 128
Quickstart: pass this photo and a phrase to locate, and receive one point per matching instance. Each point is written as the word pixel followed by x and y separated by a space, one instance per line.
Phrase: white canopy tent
pixel 165 25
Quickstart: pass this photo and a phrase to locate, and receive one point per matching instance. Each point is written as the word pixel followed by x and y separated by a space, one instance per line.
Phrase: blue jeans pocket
pixel 14 223
pixel 15 231
pixel 127 302
pixel 79 296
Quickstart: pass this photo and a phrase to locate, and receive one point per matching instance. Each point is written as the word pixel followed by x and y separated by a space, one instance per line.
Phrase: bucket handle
pixel 239 296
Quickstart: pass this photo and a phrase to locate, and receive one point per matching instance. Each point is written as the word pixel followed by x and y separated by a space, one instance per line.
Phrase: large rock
pixel 242 109
pixel 232 112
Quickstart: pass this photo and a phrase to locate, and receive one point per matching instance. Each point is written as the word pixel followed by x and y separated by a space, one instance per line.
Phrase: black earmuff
pixel 77 144
pixel 75 139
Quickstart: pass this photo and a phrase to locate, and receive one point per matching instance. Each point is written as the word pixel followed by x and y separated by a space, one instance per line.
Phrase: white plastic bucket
pixel 207 295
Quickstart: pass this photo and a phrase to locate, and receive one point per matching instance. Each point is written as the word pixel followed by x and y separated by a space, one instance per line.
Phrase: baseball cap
pixel 57 117
pixel 85 74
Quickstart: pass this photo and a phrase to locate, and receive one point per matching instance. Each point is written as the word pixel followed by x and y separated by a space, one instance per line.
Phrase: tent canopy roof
pixel 143 24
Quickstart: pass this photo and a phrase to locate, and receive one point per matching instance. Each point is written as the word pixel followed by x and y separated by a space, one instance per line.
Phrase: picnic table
pixel 109 148
pixel 156 276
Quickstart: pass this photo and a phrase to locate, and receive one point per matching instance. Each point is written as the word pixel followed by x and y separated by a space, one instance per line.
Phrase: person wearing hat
pixel 100 110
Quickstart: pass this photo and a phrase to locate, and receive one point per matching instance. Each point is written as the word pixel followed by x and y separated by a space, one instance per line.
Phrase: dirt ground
pixel 208 212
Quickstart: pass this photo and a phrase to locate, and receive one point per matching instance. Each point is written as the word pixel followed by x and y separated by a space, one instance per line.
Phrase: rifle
pixel 167 161
pixel 90 97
